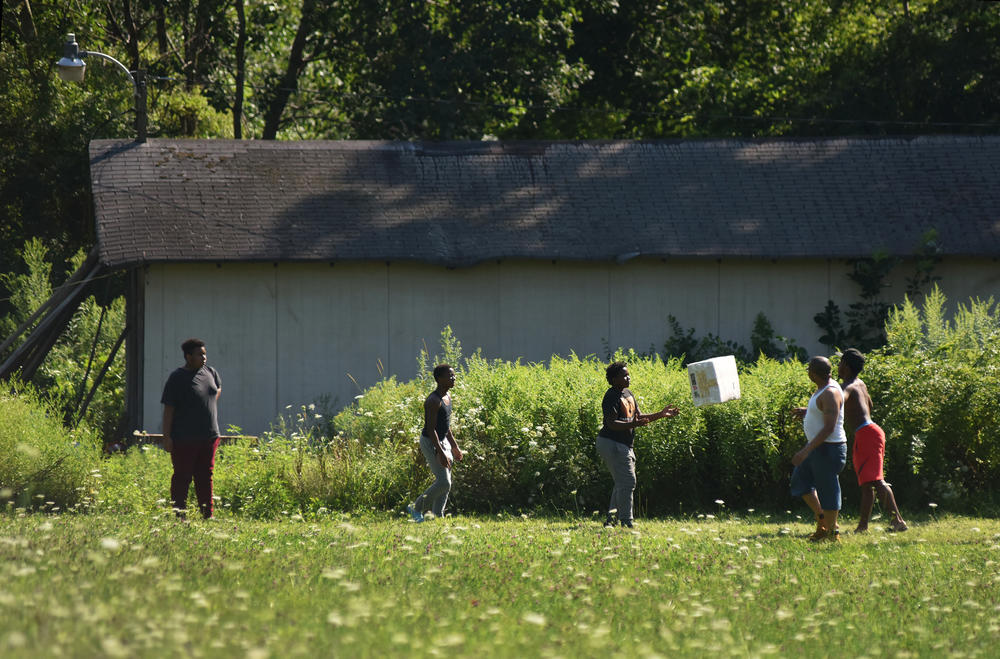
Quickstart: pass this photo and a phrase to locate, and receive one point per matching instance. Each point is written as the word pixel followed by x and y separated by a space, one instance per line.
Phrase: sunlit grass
pixel 149 586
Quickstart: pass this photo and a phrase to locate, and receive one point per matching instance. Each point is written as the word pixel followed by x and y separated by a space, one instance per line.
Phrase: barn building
pixel 315 268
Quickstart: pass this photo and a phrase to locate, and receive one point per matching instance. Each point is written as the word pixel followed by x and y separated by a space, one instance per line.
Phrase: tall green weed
pixel 936 392
pixel 43 466
pixel 528 431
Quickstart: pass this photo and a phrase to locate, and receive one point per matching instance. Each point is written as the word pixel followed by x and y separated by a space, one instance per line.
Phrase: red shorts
pixel 869 453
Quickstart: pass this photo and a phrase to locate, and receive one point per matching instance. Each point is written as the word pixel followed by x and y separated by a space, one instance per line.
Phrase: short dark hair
pixel 820 365
pixel 441 369
pixel 614 370
pixel 854 360
pixel 192 345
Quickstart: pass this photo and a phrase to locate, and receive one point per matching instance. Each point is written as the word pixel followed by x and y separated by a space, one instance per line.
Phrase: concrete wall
pixel 288 334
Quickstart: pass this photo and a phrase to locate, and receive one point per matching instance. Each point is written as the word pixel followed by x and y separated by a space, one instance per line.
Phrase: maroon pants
pixel 193 460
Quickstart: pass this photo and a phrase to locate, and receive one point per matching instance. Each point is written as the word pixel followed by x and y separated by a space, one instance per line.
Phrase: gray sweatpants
pixel 435 497
pixel 620 460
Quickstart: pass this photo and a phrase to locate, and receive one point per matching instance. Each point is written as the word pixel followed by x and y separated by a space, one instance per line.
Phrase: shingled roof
pixel 461 203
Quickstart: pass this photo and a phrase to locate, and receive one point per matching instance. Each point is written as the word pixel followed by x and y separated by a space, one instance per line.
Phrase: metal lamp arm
pixel 94 53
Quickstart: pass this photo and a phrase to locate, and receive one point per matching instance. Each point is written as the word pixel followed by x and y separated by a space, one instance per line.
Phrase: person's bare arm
pixel 168 426
pixel 667 411
pixel 455 451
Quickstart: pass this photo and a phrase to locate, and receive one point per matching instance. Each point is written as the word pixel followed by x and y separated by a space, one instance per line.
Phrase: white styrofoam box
pixel 714 380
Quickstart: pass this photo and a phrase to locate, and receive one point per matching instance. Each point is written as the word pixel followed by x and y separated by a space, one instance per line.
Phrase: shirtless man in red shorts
pixel 869 443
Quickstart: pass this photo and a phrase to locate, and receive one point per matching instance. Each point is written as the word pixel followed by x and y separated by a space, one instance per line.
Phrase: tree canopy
pixel 470 70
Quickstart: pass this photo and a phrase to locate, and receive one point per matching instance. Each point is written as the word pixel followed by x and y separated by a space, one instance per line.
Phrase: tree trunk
pixel 132 37
pixel 241 43
pixel 199 43
pixel 28 31
pixel 290 81
pixel 162 45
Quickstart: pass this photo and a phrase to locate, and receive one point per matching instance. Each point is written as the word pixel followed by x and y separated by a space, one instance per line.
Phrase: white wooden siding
pixel 288 334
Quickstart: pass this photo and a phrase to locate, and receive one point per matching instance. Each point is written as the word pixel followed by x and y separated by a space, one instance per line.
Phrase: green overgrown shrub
pixel 247 480
pixel 43 466
pixel 753 439
pixel 528 431
pixel 525 429
pixel 936 392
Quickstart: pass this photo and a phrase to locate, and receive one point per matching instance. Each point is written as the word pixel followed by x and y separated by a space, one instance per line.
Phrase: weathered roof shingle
pixel 462 203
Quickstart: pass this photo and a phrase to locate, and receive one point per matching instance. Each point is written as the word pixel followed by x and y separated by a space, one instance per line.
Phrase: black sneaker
pixel 627 525
pixel 610 522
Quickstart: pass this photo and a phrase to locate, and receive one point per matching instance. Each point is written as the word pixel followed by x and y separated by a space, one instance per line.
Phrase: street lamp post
pixel 72 68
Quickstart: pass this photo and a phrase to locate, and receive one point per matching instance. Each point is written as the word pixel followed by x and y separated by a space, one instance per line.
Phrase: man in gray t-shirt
pixel 191 426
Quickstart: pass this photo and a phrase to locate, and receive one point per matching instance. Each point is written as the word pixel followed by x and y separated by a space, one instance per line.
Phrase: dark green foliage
pixel 763 342
pixel 927 259
pixel 683 344
pixel 829 321
pixel 866 318
pixel 538 69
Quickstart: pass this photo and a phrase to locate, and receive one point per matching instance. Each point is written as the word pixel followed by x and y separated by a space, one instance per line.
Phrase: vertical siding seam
pixel 277 346
pixel 388 324
pixel 498 290
pixel 610 342
pixel 718 298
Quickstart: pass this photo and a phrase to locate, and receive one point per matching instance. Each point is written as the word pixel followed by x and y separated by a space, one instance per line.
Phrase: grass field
pixel 149 586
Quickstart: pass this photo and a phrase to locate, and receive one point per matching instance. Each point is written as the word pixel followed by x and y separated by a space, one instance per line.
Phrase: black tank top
pixel 443 418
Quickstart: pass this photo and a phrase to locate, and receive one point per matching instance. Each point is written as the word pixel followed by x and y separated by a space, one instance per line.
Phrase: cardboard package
pixel 714 380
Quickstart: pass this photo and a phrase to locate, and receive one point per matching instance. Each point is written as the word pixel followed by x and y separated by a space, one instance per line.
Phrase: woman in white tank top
pixel 813 422
pixel 820 461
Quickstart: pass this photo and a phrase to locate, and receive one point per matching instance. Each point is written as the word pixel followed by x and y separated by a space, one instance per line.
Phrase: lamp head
pixel 71 66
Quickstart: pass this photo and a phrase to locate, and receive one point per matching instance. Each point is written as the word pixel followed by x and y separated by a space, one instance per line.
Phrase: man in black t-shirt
pixel 191 426
pixel 614 442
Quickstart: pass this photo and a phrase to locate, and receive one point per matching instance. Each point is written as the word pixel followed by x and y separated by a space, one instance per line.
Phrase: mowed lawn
pixel 149 586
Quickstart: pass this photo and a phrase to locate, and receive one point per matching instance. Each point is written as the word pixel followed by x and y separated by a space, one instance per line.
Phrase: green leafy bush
pixel 246 481
pixel 42 464
pixel 936 389
pixel 753 439
pixel 528 431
